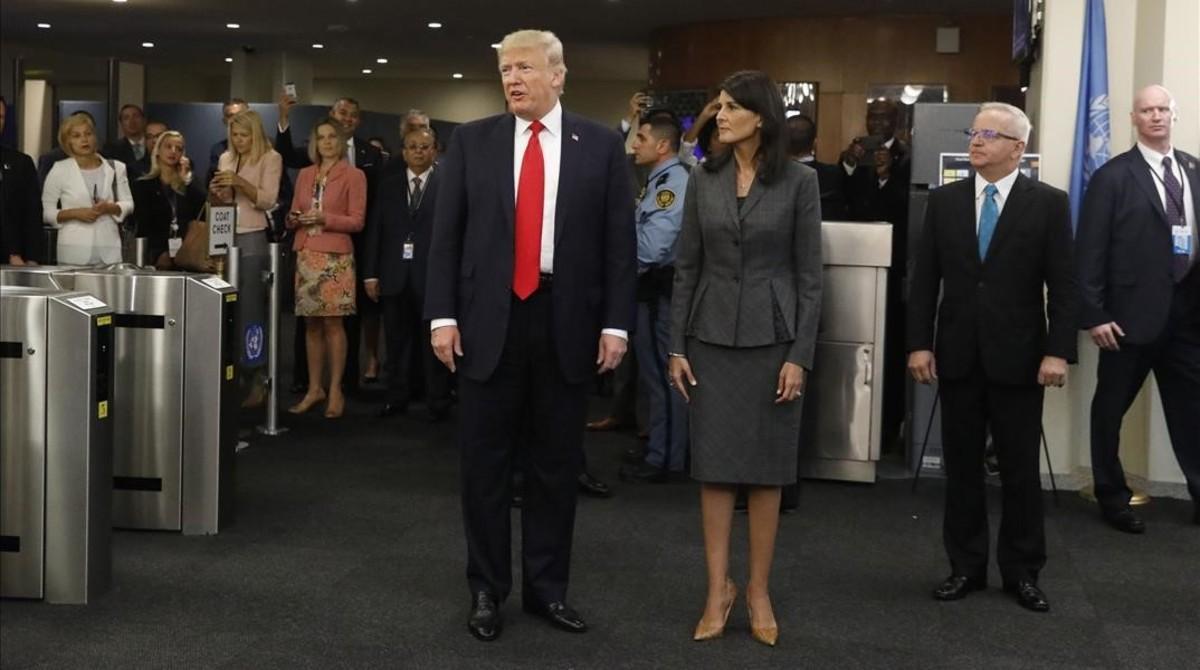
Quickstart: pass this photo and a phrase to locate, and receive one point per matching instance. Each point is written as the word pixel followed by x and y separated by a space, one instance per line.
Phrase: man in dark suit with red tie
pixel 530 294
pixel 1141 297
pixel 998 247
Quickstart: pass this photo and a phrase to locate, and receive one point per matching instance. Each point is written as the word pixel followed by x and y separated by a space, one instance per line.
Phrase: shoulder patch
pixel 664 198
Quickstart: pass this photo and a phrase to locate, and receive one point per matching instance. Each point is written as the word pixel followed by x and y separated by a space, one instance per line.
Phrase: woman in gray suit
pixel 744 316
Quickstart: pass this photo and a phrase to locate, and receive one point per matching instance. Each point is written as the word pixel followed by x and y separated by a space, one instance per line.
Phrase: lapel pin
pixel 574 137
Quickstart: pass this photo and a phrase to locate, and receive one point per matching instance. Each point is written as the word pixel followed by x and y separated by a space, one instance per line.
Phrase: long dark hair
pixel 755 91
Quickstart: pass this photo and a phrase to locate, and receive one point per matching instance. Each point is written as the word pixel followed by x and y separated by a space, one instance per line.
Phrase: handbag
pixel 193 251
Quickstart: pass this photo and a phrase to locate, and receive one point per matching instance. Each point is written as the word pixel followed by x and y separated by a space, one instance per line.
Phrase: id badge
pixel 1181 240
pixel 173 245
pixel 409 248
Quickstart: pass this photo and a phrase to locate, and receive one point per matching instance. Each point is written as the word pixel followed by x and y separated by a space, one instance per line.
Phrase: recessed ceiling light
pixel 434 24
pixel 496 45
pixel 233 26
pixel 229 59
pixel 119 1
pixel 318 46
pixel 457 75
pixel 148 45
pixel 44 26
pixel 381 61
pixel 367 70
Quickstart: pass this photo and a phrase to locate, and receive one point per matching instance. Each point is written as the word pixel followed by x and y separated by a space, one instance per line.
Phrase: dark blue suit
pixel 528 362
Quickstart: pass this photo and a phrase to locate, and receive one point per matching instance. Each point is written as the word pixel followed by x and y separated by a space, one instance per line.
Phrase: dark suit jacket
pixel 994 312
pixel 749 277
pixel 832 181
pixel 366 157
pixel 595 247
pixel 1123 250
pixel 153 213
pixel 20 208
pixel 122 150
pixel 390 226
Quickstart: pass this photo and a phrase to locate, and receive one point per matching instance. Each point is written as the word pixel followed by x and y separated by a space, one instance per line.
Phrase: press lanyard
pixel 172 202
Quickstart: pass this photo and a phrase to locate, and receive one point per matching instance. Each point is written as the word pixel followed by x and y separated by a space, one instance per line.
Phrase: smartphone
pixel 290 89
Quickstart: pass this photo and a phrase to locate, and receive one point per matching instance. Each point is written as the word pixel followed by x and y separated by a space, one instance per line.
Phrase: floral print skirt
pixel 324 284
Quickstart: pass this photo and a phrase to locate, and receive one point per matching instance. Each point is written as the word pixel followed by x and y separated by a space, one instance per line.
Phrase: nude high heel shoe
pixel 767 635
pixel 707 631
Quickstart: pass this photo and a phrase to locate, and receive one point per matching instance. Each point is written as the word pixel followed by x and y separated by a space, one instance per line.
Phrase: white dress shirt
pixel 1154 161
pixel 422 178
pixel 1003 185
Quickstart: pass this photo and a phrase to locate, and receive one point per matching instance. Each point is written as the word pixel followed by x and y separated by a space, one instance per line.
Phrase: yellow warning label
pixel 230 297
pixel 104 320
pixel 102 409
pixel 228 372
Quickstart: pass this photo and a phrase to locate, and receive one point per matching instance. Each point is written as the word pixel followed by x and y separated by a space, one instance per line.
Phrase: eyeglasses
pixel 988 134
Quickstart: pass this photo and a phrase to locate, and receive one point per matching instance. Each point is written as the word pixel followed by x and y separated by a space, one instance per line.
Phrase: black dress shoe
pixel 391 409
pixel 485 621
pixel 643 473
pixel 1125 520
pixel 634 455
pixel 590 486
pixel 558 613
pixel 956 587
pixel 1029 595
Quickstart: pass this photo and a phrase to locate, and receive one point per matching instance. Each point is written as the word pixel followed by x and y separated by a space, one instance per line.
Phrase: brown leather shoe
pixel 607 423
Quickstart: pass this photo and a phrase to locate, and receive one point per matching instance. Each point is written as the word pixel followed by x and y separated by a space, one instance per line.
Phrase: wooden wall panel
pixel 844 55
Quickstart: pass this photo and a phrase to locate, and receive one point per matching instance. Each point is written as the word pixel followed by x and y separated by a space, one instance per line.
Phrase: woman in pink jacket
pixel 330 203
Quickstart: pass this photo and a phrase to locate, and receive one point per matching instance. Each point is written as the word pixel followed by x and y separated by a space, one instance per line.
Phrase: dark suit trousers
pixel 1175 360
pixel 1014 415
pixel 408 344
pixel 527 383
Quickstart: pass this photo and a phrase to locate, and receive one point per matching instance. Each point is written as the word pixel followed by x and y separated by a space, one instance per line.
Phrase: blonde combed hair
pixel 545 40
pixel 259 145
pixel 176 181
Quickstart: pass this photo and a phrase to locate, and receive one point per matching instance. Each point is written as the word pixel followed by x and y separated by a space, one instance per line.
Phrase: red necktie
pixel 530 196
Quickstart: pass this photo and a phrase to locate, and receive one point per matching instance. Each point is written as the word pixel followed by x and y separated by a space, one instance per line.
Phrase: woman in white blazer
pixel 86 197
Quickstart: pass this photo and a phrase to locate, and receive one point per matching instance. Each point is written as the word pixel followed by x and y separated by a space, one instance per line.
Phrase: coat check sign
pixel 221 224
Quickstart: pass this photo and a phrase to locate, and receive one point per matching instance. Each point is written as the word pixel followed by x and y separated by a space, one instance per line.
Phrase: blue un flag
pixel 1091 117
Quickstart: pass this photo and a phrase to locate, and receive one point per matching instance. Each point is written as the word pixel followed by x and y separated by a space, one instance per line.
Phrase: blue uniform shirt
pixel 660 215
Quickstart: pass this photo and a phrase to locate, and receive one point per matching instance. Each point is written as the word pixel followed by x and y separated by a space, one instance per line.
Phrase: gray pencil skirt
pixel 738 434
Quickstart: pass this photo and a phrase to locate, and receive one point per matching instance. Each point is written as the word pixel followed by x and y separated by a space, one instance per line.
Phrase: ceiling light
pixel 434 24
pixel 496 45
pixel 118 0
pixel 318 46
pixel 233 26
pixel 381 61
pixel 44 26
pixel 457 75
pixel 229 59
pixel 367 70
pixel 148 45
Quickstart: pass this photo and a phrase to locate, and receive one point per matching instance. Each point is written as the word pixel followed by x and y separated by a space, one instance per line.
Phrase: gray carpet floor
pixel 347 551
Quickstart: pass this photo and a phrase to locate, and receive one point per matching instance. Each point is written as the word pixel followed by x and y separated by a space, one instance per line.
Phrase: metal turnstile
pixel 56 438
pixel 175 407
pixel 843 403
pixel 33 276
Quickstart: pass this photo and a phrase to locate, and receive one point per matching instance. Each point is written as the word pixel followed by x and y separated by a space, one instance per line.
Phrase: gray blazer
pixel 752 278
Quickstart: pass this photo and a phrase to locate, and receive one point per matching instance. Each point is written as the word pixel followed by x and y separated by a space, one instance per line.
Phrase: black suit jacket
pixel 153 213
pixel 390 225
pixel 994 312
pixel 20 208
pixel 1123 250
pixel 832 181
pixel 122 150
pixel 366 158
pixel 595 248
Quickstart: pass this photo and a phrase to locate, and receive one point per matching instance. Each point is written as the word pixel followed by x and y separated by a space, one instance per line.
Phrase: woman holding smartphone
pixel 166 200
pixel 330 203
pixel 248 176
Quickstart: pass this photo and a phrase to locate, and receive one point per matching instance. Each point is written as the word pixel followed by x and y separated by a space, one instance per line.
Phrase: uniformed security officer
pixel 659 220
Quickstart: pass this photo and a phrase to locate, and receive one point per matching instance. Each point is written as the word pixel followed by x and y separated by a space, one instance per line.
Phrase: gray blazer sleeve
pixel 689 256
pixel 806 252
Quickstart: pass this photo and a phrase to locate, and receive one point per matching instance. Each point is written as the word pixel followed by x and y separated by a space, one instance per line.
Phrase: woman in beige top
pixel 248 176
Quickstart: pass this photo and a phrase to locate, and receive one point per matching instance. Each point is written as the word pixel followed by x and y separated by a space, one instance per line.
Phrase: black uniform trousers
pixel 1175 359
pixel 1013 413
pixel 526 389
pixel 408 345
